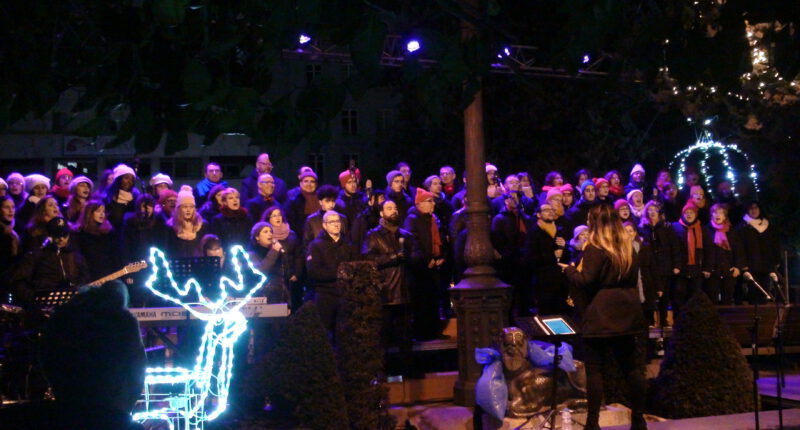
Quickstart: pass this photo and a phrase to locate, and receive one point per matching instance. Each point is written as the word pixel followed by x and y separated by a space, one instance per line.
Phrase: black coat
pixel 383 247
pixel 295 213
pixel 258 204
pixel 100 251
pixel 138 235
pixel 181 248
pixel 659 252
pixel 539 254
pixel 608 304
pixel 419 225
pixel 717 260
pixel 363 223
pixel 324 257
pixel 578 214
pixel 249 188
pixel 274 264
pixel 507 236
pixel 762 251
pixel 351 206
pixel 682 244
pixel 233 228
pixel 47 269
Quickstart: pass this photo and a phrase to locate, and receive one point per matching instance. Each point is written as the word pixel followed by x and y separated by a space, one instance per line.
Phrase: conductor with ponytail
pixel 604 289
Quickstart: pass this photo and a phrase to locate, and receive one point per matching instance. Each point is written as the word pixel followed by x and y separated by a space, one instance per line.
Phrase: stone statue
pixel 530 388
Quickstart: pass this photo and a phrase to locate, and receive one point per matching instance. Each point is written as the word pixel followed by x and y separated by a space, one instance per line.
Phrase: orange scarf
pixel 548 227
pixel 694 237
pixel 436 240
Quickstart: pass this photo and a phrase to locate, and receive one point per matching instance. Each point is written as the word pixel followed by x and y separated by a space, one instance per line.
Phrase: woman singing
pixel 604 290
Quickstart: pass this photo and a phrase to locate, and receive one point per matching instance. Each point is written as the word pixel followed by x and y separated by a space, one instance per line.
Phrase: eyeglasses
pixel 337 222
pixel 266 182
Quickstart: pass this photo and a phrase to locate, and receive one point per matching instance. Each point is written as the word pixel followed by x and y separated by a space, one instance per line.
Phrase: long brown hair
pixel 86 222
pixel 606 232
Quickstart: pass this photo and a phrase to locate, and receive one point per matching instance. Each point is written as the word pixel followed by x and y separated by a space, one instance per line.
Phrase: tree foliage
pixel 704 372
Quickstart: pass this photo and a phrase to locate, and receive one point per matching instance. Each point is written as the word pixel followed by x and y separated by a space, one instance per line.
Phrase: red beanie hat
pixel 566 188
pixel 63 172
pixel 620 203
pixel 345 176
pixel 422 195
pixel 598 181
pixel 690 205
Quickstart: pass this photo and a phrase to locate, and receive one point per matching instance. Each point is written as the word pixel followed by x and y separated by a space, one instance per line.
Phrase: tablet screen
pixel 558 326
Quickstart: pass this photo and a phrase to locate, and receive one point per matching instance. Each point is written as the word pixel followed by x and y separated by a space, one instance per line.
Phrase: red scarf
pixel 436 240
pixel 616 191
pixel 694 237
pixel 721 234
pixel 449 190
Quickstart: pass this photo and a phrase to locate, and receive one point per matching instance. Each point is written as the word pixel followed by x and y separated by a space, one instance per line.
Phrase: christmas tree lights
pixel 707 146
pixel 209 380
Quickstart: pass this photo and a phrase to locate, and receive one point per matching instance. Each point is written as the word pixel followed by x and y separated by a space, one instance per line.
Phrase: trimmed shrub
pixel 704 372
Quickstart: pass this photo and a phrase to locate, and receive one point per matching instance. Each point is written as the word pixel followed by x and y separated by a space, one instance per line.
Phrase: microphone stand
pixel 777 338
pixel 754 345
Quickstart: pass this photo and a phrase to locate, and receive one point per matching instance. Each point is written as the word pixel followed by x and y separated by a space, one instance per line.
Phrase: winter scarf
pixel 760 224
pixel 124 197
pixel 721 234
pixel 312 203
pixel 280 232
pixel 548 227
pixel 694 237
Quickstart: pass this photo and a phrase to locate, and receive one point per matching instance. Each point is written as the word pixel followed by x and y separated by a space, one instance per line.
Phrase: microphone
pixel 749 278
pixel 282 250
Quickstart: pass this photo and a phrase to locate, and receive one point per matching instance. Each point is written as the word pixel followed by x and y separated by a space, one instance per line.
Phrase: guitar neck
pixel 111 277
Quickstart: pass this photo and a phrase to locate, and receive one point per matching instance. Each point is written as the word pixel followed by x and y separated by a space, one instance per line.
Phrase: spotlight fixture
pixel 304 39
pixel 412 45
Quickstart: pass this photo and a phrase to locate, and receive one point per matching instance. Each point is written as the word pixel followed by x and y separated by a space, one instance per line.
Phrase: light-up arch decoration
pixel 209 380
pixel 706 145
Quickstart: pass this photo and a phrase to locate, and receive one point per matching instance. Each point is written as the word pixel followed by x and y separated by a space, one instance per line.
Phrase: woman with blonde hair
pixel 188 227
pixel 605 293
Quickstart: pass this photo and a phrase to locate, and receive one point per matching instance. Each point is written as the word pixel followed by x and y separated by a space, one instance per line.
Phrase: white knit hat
pixel 629 197
pixel 35 179
pixel 160 178
pixel 185 196
pixel 637 168
pixel 80 180
pixel 490 167
pixel 123 169
pixel 3 183
pixel 16 175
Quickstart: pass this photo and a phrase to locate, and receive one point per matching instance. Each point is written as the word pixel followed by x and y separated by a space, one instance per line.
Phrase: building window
pixel 316 161
pixel 349 161
pixel 313 71
pixel 348 70
pixel 384 121
pixel 182 167
pixel 349 122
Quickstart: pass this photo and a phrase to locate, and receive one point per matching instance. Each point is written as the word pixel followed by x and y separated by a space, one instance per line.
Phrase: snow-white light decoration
pixel 209 380
pixel 706 145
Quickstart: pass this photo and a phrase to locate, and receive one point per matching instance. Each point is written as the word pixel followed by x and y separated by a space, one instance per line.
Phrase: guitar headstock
pixel 135 267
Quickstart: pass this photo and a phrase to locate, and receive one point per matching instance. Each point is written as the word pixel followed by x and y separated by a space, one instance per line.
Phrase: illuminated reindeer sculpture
pixel 209 380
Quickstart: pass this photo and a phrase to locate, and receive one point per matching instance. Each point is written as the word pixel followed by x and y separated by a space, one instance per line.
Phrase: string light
pixel 706 145
pixel 210 377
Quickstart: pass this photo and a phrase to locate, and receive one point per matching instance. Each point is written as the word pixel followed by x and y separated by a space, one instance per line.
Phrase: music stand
pixel 554 328
pixel 52 299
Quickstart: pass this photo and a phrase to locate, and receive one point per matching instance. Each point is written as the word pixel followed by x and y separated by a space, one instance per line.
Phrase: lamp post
pixel 480 299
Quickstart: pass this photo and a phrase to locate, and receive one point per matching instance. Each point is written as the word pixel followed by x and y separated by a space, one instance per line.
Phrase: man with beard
pixel 250 188
pixel 389 247
pixel 544 249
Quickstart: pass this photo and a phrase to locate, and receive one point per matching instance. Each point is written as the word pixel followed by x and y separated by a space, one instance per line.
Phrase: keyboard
pixel 172 315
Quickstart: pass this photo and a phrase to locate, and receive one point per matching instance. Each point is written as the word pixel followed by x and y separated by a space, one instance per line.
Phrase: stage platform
pixel 791 392
pixel 768 419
